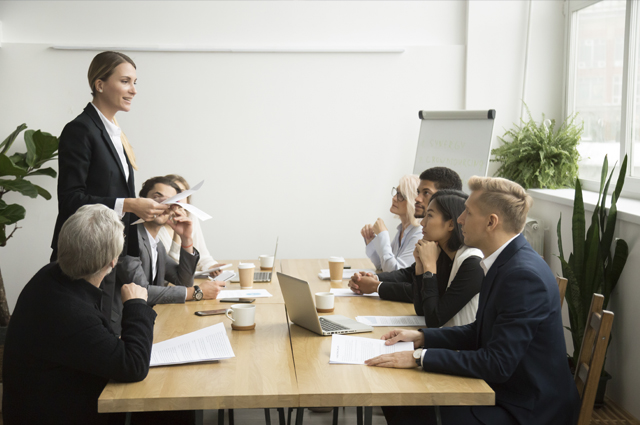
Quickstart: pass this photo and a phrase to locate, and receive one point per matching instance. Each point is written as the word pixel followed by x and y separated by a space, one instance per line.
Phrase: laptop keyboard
pixel 262 276
pixel 329 326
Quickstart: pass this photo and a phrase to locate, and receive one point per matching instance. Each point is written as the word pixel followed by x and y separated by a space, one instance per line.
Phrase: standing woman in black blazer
pixel 96 161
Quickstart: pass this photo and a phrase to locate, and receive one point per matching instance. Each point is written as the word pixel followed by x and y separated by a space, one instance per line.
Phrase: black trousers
pixel 451 415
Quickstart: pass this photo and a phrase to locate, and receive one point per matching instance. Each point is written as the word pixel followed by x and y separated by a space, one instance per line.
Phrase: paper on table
pixel 179 197
pixel 244 293
pixel 346 292
pixel 225 276
pixel 355 350
pixel 208 344
pixel 346 273
pixel 391 320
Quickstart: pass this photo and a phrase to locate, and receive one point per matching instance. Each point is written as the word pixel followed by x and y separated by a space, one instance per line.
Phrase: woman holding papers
pixel 447 275
pixel 171 240
pixel 386 254
pixel 96 160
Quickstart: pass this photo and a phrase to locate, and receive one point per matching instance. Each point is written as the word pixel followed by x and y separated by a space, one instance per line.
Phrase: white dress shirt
pixel 154 255
pixel 114 134
pixel 488 262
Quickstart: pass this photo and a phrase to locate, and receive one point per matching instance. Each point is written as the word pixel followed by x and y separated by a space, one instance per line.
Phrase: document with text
pixel 244 293
pixel 391 320
pixel 346 292
pixel 355 350
pixel 204 345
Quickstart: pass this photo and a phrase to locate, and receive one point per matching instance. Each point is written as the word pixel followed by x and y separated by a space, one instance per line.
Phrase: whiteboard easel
pixel 460 140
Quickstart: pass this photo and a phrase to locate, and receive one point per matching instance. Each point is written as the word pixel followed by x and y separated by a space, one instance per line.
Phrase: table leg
pixel 438 418
pixel 335 415
pixel 368 415
pixel 230 416
pixel 267 416
pixel 289 416
pixel 299 415
pixel 199 414
pixel 359 415
pixel 127 418
pixel 220 416
pixel 281 416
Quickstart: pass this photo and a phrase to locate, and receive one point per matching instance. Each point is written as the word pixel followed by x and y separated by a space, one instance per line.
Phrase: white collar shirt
pixel 153 242
pixel 114 134
pixel 487 262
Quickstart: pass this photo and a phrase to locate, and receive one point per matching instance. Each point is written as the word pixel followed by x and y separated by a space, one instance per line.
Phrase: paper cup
pixel 245 271
pixel 266 262
pixel 336 265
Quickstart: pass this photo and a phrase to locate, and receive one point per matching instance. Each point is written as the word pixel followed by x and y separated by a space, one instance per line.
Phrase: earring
pixel 100 90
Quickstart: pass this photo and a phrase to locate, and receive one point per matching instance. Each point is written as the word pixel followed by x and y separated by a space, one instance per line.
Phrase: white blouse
pixel 393 255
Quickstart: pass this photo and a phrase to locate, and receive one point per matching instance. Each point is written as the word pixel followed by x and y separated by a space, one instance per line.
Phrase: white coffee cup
pixel 245 270
pixel 324 302
pixel 266 262
pixel 336 265
pixel 244 316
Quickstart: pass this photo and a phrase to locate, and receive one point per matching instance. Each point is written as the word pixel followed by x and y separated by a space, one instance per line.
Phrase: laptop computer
pixel 261 277
pixel 302 310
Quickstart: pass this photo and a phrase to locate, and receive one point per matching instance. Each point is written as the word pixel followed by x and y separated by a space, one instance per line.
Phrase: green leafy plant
pixel 536 155
pixel 14 171
pixel 591 267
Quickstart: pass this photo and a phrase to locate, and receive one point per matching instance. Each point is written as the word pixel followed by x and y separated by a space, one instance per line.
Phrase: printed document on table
pixel 355 350
pixel 346 292
pixel 391 320
pixel 244 293
pixel 346 273
pixel 204 345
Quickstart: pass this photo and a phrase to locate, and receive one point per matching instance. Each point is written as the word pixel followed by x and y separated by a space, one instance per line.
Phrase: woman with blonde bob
pixel 386 254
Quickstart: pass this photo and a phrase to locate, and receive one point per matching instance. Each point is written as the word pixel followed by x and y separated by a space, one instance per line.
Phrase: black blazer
pixel 90 172
pixel 60 351
pixel 516 343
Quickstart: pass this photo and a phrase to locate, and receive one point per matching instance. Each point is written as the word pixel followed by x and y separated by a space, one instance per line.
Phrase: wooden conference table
pixel 282 365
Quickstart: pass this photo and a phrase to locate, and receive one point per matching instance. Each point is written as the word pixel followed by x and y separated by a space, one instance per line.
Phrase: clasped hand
pixel 364 283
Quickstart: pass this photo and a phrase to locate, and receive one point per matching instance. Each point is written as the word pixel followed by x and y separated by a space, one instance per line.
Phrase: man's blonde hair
pixel 505 198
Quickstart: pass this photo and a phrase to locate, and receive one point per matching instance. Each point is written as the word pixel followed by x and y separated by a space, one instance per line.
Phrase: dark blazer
pixel 138 270
pixel 60 351
pixel 90 172
pixel 397 284
pixel 516 343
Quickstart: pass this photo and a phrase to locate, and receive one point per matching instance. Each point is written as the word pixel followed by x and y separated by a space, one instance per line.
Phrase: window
pixel 603 85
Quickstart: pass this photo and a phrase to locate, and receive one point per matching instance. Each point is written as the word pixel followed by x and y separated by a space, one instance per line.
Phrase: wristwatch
pixel 427 275
pixel 197 293
pixel 417 356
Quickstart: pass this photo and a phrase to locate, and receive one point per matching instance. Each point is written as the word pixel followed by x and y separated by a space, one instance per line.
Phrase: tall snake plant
pixel 591 267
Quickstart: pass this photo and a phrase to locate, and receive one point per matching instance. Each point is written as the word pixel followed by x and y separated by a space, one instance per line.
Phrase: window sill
pixel 628 209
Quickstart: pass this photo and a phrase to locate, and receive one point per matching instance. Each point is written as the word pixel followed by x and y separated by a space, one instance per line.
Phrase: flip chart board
pixel 460 140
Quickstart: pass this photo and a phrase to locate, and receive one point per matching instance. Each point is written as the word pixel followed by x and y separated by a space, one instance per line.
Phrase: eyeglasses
pixel 395 193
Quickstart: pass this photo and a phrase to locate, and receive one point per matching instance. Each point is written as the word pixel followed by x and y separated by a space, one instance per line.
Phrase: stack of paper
pixel 346 273
pixel 208 344
pixel 391 320
pixel 244 293
pixel 346 292
pixel 355 350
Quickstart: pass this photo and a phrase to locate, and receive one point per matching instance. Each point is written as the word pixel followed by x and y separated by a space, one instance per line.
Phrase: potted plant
pixel 536 155
pixel 592 267
pixel 14 170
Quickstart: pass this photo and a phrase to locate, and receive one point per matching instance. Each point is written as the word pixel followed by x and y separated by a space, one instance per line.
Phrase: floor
pixel 256 416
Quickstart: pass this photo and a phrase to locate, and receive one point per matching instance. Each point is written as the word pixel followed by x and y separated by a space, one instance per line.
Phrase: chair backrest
pixel 562 286
pixel 592 354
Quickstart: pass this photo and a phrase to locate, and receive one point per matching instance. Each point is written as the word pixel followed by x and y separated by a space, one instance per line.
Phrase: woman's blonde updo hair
pixel 408 186
pixel 101 68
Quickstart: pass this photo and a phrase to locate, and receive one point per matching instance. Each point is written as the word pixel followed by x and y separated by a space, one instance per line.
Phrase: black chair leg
pixel 267 416
pixel 281 416
pixel 230 416
pixel 335 415
pixel 359 414
pixel 289 416
pixel 299 415
pixel 220 416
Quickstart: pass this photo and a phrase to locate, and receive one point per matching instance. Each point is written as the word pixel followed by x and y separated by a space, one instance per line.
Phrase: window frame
pixel 627 103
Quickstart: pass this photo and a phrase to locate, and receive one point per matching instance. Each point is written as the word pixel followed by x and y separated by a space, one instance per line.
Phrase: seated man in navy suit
pixel 516 343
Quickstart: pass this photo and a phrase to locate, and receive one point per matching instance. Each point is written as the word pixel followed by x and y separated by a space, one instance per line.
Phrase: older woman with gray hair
pixel 60 351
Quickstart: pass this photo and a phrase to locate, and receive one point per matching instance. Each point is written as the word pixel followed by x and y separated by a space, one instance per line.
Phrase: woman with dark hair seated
pixel 448 276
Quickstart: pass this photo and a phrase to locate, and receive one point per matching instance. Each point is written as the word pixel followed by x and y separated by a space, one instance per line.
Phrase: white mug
pixel 266 262
pixel 244 316
pixel 324 302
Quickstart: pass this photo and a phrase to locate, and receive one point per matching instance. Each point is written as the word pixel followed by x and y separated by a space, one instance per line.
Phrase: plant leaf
pixel 3 204
pixel 11 214
pixel 45 146
pixel 577 228
pixel 44 172
pixel 19 185
pixel 8 168
pixel 620 256
pixel 6 144
pixel 42 192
